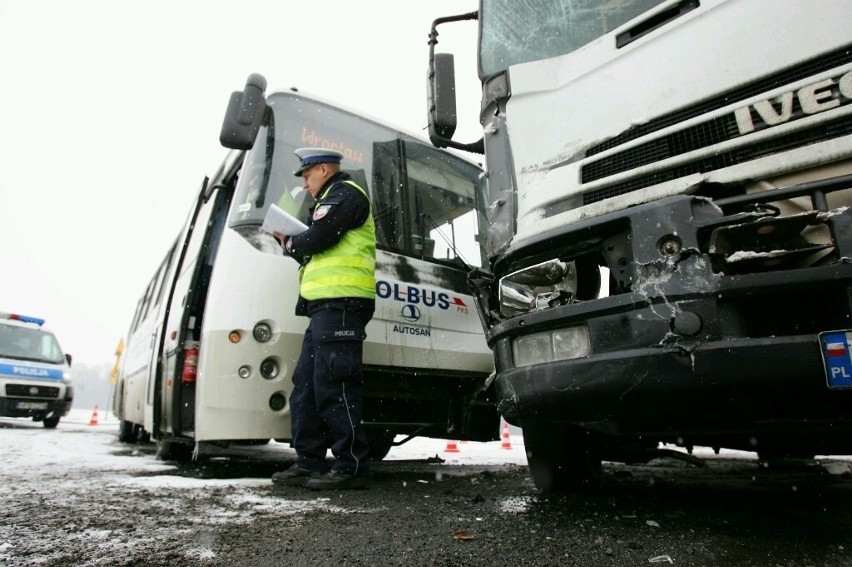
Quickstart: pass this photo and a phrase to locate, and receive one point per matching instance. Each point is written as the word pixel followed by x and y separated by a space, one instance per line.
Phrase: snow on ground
pixel 97 451
pixel 80 472
pixel 45 449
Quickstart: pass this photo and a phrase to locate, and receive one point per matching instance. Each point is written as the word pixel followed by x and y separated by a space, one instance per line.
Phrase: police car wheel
pixel 51 421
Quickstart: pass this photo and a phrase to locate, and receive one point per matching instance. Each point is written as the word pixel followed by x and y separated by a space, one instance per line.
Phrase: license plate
pixel 31 405
pixel 837 356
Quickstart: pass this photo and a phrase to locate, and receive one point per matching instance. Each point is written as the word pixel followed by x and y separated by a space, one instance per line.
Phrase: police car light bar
pixel 22 318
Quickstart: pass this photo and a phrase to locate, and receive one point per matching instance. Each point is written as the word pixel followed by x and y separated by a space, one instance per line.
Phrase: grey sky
pixel 110 114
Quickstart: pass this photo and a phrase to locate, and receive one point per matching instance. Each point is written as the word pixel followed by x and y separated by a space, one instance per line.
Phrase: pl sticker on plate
pixel 837 358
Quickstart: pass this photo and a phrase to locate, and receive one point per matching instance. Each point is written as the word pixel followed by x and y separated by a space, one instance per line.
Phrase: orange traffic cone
pixel 506 444
pixel 451 447
pixel 94 420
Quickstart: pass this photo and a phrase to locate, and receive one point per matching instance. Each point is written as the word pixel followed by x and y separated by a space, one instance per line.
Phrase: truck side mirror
pixel 442 99
pixel 244 115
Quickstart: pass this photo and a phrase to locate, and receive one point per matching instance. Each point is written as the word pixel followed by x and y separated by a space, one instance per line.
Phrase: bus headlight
pixel 262 332
pixel 560 344
pixel 277 401
pixel 269 368
pixel 544 285
pixel 244 371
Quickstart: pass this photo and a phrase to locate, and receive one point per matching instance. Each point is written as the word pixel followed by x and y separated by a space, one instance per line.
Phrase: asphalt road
pixel 123 507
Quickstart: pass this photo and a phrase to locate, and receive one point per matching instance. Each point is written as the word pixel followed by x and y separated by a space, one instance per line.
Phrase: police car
pixel 35 376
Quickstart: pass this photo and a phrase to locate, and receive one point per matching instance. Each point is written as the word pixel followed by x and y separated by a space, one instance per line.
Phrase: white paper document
pixel 279 220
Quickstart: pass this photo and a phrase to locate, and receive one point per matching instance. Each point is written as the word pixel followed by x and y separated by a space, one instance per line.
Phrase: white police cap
pixel 311 156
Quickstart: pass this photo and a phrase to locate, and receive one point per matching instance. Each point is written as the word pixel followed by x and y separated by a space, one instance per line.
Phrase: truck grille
pixel 26 391
pixel 707 134
pixel 820 133
pixel 802 71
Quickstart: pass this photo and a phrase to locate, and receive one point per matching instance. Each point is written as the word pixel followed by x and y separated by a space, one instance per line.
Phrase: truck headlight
pixel 560 344
pixel 538 287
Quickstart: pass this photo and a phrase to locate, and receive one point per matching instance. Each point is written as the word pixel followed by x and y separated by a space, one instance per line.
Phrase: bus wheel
pixel 380 445
pixel 127 431
pixel 51 420
pixel 562 459
pixel 168 450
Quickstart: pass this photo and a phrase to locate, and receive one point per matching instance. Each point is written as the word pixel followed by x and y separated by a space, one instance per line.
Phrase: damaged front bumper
pixel 710 334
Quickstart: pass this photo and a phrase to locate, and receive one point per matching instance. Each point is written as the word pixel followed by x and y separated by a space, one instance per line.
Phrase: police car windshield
pixel 515 32
pixel 24 343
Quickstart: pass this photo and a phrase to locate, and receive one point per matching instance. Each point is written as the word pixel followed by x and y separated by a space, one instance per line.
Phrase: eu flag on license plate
pixel 837 358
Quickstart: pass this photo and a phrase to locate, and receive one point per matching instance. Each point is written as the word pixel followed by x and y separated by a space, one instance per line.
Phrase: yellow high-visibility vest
pixel 347 269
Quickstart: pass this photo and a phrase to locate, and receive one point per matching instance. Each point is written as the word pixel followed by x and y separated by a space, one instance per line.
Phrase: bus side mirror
pixel 442 99
pixel 68 359
pixel 244 115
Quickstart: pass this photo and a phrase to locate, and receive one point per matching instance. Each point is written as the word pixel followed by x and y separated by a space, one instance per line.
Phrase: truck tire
pixel 562 458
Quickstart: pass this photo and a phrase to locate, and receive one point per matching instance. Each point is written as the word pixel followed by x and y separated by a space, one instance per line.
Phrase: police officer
pixel 337 291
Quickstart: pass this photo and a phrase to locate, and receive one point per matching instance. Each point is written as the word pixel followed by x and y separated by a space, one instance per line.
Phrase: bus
pixel 669 225
pixel 214 339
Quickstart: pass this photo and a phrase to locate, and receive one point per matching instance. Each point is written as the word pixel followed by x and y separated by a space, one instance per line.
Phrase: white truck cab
pixel 35 375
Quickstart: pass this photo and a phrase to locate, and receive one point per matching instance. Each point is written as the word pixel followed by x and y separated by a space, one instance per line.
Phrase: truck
pixel 35 375
pixel 668 233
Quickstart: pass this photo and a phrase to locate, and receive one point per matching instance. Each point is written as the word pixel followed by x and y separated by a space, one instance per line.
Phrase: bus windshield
pixel 423 199
pixel 515 32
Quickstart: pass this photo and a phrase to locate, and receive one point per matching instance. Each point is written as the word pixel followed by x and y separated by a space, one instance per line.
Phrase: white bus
pixel 214 339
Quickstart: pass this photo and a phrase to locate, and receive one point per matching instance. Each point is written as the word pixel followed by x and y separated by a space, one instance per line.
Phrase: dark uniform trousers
pixel 326 402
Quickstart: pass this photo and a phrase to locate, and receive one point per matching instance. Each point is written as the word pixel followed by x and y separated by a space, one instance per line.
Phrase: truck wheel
pixel 561 458
pixel 51 420
pixel 127 431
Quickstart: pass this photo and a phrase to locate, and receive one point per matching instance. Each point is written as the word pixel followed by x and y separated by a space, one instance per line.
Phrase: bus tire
pixel 168 450
pixel 562 458
pixel 380 446
pixel 51 420
pixel 252 442
pixel 127 431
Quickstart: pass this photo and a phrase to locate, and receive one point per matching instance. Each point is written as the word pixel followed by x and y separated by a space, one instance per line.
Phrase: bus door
pixel 175 382
pixel 164 283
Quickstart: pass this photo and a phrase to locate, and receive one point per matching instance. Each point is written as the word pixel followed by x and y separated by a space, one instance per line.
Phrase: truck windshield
pixel 521 31
pixel 22 343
